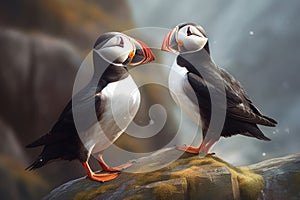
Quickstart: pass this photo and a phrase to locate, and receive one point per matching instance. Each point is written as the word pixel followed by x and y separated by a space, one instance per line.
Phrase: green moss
pixel 134 197
pixel 177 163
pixel 200 162
pixel 250 183
pixel 164 191
pixel 91 193
pixel 144 179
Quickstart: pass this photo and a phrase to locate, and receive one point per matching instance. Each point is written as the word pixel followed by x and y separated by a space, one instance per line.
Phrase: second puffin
pixel 197 80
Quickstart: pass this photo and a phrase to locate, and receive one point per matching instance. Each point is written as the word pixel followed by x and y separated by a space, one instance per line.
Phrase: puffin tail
pixel 50 152
pixel 259 135
pixel 39 162
pixel 254 131
pixel 47 154
pixel 39 142
pixel 271 120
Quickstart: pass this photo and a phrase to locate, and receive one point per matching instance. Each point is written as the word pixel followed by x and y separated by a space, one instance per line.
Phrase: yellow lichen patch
pixel 200 162
pixel 187 172
pixel 223 163
pixel 175 164
pixel 144 179
pixel 186 159
pixel 164 191
pixel 92 193
pixel 134 197
pixel 250 183
pixel 247 186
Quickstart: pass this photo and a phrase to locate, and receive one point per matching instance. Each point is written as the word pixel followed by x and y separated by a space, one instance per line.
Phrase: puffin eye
pixel 117 50
pixel 191 30
pixel 115 41
pixel 188 32
pixel 121 44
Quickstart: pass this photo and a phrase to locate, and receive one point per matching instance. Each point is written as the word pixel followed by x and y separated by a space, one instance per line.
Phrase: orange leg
pixel 207 146
pixel 203 148
pixel 190 149
pixel 99 177
pixel 105 167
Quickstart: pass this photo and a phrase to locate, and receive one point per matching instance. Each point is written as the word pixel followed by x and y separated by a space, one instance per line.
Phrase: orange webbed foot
pixel 107 168
pixel 194 150
pixel 189 149
pixel 103 177
pixel 115 169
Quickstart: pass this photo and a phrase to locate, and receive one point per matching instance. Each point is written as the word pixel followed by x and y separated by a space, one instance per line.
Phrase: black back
pixel 241 115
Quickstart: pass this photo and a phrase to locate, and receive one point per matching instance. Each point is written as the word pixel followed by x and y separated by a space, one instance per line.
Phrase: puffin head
pixel 119 49
pixel 184 38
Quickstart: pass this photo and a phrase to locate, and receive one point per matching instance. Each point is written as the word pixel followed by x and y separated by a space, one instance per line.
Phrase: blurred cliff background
pixel 42 44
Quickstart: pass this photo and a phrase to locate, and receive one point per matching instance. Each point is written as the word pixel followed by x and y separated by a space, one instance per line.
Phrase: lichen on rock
pixel 189 177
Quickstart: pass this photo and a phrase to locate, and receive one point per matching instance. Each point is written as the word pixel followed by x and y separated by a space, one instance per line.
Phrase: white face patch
pixel 116 50
pixel 191 38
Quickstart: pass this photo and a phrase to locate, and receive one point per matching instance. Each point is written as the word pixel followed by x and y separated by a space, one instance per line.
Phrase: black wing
pixel 239 120
pixel 82 108
pixel 239 106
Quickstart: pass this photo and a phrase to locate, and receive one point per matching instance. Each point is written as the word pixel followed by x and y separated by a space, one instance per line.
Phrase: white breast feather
pixel 177 81
pixel 122 100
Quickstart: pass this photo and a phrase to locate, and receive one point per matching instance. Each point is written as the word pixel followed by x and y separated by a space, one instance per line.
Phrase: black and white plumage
pixel 88 124
pixel 198 77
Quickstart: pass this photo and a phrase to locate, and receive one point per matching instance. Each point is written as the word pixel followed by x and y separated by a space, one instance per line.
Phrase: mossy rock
pixel 189 177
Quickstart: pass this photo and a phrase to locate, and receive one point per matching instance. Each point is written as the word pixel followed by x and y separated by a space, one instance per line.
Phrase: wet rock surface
pixel 282 177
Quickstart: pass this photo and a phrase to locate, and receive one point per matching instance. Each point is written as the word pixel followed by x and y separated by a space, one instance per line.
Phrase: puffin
pixel 90 122
pixel 199 80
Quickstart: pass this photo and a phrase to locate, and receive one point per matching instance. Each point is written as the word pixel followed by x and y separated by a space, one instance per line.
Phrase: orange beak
pixel 167 42
pixel 148 54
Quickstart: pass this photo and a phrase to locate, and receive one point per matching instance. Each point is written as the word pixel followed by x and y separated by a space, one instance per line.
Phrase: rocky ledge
pixel 193 177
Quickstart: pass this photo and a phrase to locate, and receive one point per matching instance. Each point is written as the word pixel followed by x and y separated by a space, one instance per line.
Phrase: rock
pixel 9 143
pixel 36 81
pixel 80 22
pixel 282 177
pixel 17 184
pixel 189 177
